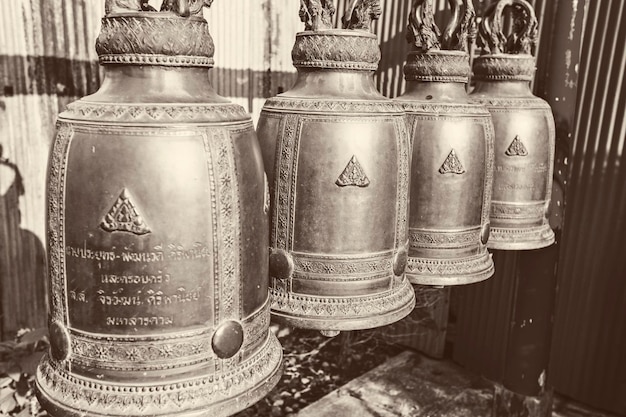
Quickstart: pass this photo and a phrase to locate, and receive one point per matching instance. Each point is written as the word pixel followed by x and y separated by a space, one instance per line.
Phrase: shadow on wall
pixel 22 259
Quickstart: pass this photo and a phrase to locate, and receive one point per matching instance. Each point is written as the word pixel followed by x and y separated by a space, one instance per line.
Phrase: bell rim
pixel 356 322
pixel 509 238
pixel 484 270
pixel 221 408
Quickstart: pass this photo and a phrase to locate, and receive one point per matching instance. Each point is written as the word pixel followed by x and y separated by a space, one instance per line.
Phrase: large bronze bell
pixel 337 157
pixel 524 128
pixel 452 165
pixel 157 234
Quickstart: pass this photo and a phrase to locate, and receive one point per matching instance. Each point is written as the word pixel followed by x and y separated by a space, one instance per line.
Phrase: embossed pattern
pixel 56 225
pixel 437 66
pixel 160 352
pixel 226 209
pixel 353 174
pixel 452 164
pixel 340 50
pixel 124 217
pixel 147 37
pixel 333 106
pixel 337 307
pixel 342 265
pixel 82 110
pixel 443 239
pixel 212 393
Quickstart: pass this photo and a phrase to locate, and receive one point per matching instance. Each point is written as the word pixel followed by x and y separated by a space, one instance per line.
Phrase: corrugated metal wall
pixel 589 346
pixel 46 60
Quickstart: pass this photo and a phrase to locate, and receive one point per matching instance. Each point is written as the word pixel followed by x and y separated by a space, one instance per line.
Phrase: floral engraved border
pixel 371 263
pixel 95 398
pixel 82 110
pixel 530 235
pixel 335 106
pixel 402 205
pixel 353 307
pixel 284 194
pixel 226 213
pixel 133 354
pixel 56 225
pixel 443 239
pixel 480 263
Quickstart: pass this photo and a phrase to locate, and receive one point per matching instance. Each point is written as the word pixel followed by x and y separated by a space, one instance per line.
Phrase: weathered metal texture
pixel 337 158
pixel 452 164
pixel 42 67
pixel 524 129
pixel 589 342
pixel 157 226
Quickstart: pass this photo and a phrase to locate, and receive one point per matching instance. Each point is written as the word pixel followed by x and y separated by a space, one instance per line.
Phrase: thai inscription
pixel 538 167
pixel 126 283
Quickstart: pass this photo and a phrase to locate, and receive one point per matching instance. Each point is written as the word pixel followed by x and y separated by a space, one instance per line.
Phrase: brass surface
pixel 157 241
pixel 337 159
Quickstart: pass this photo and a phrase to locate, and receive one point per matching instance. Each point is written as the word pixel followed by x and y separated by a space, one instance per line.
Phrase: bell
pixel 157 234
pixel 337 157
pixel 524 129
pixel 452 145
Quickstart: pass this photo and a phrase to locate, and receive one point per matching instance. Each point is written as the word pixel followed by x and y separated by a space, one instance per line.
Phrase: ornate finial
pixel 122 6
pixel 523 37
pixel 361 13
pixel 461 31
pixel 317 14
pixel 183 8
pixel 423 33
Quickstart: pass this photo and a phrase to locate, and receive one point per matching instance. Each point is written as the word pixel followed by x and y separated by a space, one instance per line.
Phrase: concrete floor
pixel 413 385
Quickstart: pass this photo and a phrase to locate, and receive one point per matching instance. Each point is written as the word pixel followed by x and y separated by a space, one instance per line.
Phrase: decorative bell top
pixel 134 33
pixel 507 57
pixel 436 56
pixel 354 47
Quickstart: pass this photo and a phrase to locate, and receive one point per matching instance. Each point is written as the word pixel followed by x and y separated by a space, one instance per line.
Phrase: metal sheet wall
pixel 46 60
pixel 589 346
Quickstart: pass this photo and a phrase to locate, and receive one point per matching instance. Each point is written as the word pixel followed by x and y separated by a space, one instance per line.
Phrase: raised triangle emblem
pixel 124 217
pixel 452 164
pixel 516 148
pixel 353 175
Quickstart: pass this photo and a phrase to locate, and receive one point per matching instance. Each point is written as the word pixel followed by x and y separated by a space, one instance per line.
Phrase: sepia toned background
pixel 47 59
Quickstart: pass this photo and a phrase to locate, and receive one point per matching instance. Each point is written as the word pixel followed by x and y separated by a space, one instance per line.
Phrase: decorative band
pixel 155 353
pixel 358 306
pixel 528 211
pixel 137 38
pixel 443 66
pixel 151 113
pixel 151 59
pixel 504 67
pixel 440 239
pixel 101 398
pixel 449 267
pixel 336 49
pixel 333 106
pixel 347 265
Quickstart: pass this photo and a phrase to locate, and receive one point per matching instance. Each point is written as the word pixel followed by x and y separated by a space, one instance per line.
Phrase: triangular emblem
pixel 516 148
pixel 124 217
pixel 353 174
pixel 452 164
